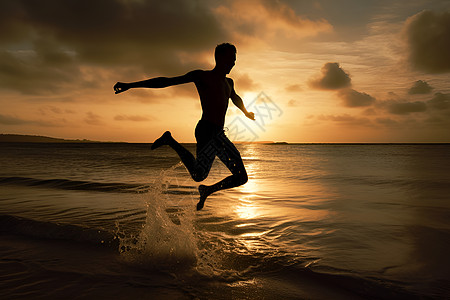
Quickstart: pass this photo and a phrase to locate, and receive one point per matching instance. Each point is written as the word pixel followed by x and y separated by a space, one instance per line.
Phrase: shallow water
pixel 313 222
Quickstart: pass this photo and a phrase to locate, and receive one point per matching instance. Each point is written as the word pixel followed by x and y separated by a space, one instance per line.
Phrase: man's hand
pixel 120 87
pixel 250 115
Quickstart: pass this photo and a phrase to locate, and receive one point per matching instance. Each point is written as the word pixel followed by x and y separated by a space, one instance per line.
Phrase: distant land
pixel 255 142
pixel 19 138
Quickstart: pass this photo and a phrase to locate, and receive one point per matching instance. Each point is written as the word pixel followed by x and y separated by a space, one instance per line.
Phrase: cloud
pixel 387 122
pixel 46 46
pixel 352 98
pixel 293 103
pixel 346 120
pixel 262 20
pixel 294 88
pixel 245 83
pixel 114 31
pixel 440 101
pixel 333 77
pixel 369 112
pixel 134 118
pixel 11 120
pixel 405 108
pixel 428 37
pixel 93 119
pixel 439 122
pixel 50 110
pixel 30 74
pixel 420 87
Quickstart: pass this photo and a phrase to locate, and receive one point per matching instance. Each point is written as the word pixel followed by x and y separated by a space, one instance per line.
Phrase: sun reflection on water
pixel 246 209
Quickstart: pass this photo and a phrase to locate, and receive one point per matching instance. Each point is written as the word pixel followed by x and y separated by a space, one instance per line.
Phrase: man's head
pixel 225 55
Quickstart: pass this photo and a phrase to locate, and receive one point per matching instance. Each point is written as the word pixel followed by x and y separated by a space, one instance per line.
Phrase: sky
pixel 326 71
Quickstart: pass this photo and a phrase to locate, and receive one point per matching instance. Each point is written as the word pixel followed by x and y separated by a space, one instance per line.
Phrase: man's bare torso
pixel 214 91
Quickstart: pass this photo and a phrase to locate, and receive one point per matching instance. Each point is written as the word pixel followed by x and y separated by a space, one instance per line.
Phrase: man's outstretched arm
pixel 155 83
pixel 239 103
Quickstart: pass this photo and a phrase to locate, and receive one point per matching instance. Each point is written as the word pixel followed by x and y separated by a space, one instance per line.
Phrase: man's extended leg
pixel 231 157
pixel 198 171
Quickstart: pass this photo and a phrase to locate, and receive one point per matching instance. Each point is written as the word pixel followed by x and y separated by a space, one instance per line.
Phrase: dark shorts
pixel 212 142
pixel 206 131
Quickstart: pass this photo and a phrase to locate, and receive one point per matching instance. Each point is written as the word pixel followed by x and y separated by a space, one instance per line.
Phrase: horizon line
pixel 22 138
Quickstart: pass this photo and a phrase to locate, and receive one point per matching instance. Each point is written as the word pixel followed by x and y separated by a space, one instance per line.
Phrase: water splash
pixel 169 239
pixel 166 239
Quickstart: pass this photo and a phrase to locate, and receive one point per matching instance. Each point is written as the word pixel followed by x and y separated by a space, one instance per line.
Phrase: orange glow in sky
pixel 360 72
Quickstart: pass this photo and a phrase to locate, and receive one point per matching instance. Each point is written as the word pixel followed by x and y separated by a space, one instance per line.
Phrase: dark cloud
pixel 45 43
pixel 12 19
pixel 420 87
pixel 440 101
pixel 333 77
pixel 439 104
pixel 12 120
pixel 369 112
pixel 114 31
pixel 405 108
pixel 428 36
pixel 30 74
pixel 134 118
pixel 352 98
pixel 393 95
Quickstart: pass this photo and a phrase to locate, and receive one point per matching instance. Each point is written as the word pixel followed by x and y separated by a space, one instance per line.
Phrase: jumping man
pixel 214 90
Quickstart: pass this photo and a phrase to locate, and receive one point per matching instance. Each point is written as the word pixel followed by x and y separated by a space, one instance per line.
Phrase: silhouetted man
pixel 214 89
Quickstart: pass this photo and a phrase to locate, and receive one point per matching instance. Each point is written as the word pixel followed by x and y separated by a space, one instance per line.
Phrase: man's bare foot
pixel 163 140
pixel 204 193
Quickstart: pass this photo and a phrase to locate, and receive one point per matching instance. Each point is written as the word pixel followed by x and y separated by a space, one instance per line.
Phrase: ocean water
pixel 118 221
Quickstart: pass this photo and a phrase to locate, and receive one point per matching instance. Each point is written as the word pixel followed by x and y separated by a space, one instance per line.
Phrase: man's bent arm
pixel 158 82
pixel 240 104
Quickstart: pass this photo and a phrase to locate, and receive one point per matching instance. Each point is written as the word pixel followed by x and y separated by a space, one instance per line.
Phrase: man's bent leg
pixel 234 180
pixel 231 157
pixel 163 140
